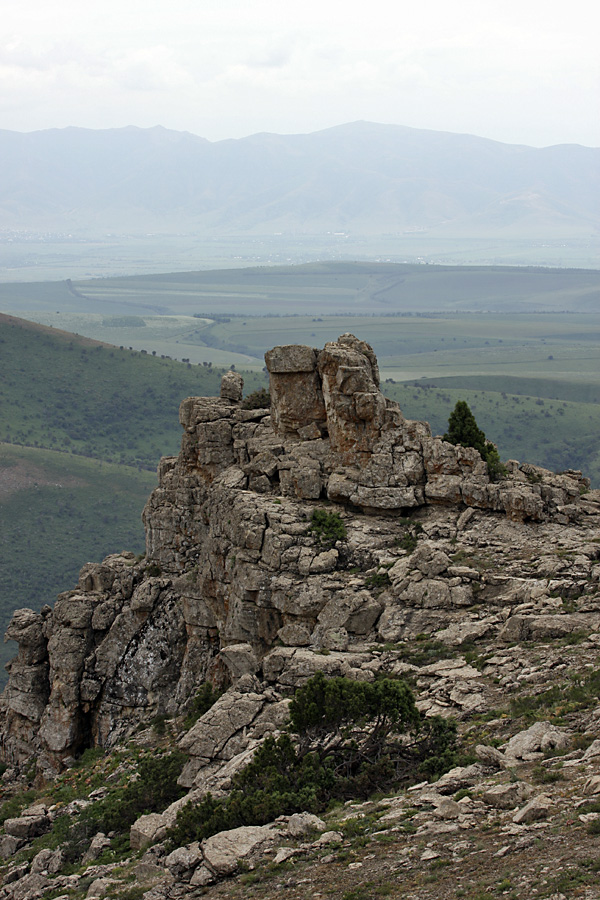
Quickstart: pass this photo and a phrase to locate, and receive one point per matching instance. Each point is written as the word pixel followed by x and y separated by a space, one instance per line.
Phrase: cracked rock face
pixel 235 588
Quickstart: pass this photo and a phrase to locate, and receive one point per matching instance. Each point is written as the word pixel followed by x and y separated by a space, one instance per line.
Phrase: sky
pixel 524 72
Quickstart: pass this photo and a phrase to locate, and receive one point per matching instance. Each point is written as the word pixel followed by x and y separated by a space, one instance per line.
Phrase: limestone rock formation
pixel 235 585
pixel 417 565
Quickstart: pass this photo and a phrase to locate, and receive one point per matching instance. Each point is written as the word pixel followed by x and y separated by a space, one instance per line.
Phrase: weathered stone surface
pixel 490 756
pixel 240 659
pixel 9 844
pixel 445 808
pixel 296 395
pixel 546 627
pixel 532 742
pixel 536 810
pixel 47 862
pixel 232 386
pixel 429 560
pixel 27 827
pixel 357 613
pixel 146 830
pixel 507 796
pixel 182 861
pixel 99 843
pixel 96 577
pixel 224 851
pixel 101 887
pixel 29 887
pixel 458 778
pixel 303 823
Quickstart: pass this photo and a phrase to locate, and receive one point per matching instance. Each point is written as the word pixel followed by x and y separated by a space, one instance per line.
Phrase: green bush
pixel 327 527
pixel 151 789
pixel 378 580
pixel 408 542
pixel 201 703
pixel 260 399
pixel 352 739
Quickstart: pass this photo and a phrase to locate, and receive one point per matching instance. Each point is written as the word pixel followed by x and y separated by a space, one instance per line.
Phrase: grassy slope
pixel 57 512
pixel 68 393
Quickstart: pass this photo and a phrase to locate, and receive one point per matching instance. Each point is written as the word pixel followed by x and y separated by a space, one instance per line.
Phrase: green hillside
pixel 57 512
pixel 64 392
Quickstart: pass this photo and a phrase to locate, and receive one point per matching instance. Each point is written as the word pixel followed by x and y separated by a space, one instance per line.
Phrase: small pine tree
pixel 464 430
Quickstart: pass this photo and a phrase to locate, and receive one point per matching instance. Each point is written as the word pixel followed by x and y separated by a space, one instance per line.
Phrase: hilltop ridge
pixel 362 177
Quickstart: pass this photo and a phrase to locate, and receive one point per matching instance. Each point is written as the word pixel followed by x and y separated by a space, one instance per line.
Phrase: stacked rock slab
pixel 234 585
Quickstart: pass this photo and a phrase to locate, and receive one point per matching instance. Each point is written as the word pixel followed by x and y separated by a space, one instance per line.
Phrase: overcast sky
pixel 518 71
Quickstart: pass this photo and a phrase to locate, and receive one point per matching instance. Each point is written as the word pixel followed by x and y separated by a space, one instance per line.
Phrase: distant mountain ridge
pixel 360 177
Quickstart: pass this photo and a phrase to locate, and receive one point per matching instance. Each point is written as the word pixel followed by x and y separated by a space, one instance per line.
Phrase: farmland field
pixel 50 257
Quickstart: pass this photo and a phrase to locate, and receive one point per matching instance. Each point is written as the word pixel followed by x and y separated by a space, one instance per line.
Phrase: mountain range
pixel 360 177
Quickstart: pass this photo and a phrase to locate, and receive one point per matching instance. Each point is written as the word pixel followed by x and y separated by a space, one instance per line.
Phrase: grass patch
pixel 559 700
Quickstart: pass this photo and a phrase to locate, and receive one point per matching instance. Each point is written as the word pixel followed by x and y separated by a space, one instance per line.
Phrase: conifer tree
pixel 464 430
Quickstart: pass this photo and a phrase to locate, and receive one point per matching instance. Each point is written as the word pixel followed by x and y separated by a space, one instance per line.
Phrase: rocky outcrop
pixel 485 595
pixel 235 585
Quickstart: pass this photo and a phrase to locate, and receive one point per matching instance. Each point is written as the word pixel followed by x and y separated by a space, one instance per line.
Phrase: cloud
pixel 515 71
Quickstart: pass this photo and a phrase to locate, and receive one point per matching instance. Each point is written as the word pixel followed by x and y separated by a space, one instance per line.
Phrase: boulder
pixel 224 851
pixel 532 742
pixel 27 827
pixel 506 796
pixel 47 862
pixel 182 861
pixel 536 810
pixel 303 823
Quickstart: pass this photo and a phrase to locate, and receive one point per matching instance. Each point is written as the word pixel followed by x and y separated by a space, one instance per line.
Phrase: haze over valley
pixel 76 202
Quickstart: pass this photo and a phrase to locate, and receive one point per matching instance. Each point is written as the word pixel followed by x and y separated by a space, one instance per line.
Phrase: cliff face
pixel 235 583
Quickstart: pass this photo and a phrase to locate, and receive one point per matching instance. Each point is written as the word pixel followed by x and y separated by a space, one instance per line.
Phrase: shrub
pixel 378 580
pixel 201 703
pixel 260 399
pixel 352 739
pixel 153 790
pixel 327 527
pixel 463 429
pixel 408 542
